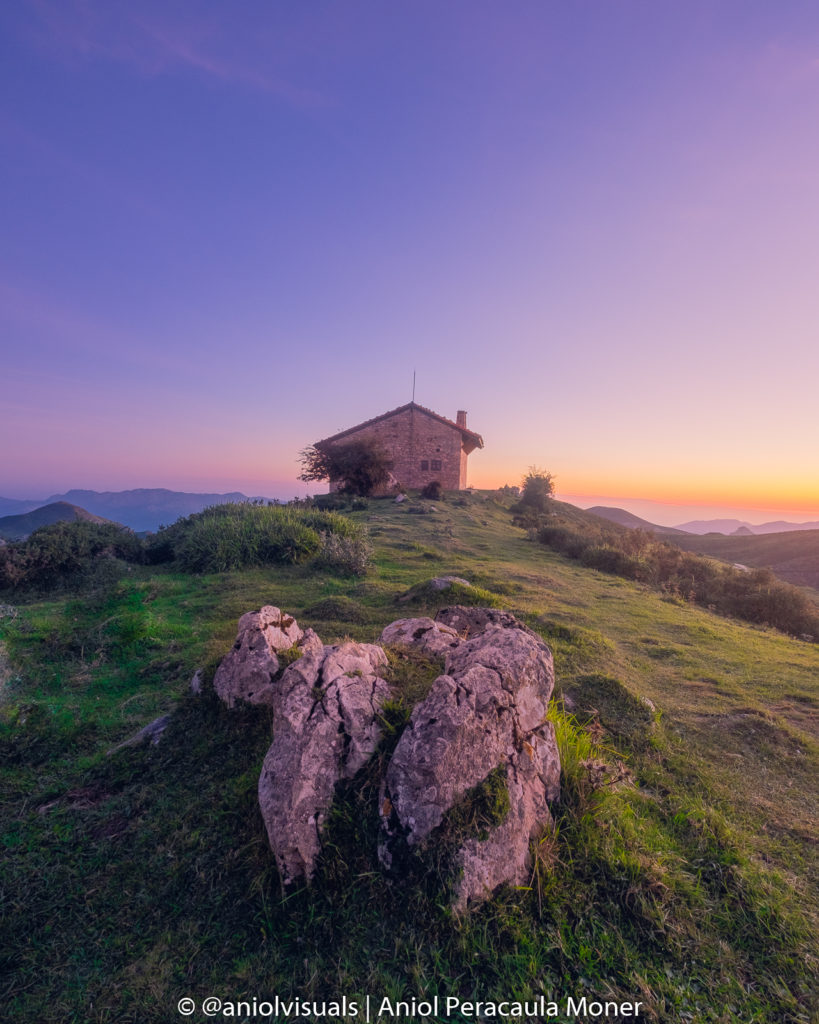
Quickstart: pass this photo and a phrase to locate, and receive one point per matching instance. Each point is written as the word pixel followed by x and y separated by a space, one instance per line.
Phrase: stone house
pixel 422 446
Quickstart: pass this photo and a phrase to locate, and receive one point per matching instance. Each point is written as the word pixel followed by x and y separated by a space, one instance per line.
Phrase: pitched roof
pixel 469 437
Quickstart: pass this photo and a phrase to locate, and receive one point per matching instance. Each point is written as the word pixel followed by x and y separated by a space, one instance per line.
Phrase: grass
pixel 793 556
pixel 682 871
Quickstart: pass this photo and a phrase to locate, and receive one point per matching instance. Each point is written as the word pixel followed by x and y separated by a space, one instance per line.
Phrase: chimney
pixel 460 419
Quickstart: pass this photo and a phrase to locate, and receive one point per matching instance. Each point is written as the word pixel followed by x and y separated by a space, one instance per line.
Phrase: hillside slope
pixel 793 556
pixel 144 877
pixel 20 526
pixel 624 518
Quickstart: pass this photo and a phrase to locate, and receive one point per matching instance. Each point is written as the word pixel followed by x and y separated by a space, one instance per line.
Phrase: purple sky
pixel 231 229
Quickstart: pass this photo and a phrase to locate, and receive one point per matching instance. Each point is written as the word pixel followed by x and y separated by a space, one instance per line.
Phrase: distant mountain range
pixel 20 526
pixel 792 554
pixel 728 527
pixel 791 550
pixel 141 509
pixel 623 518
pixel 732 527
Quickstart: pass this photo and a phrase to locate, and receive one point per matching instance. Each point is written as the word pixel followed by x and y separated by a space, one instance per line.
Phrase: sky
pixel 229 230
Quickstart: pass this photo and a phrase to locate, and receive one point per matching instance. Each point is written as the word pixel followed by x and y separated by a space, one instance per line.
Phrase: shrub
pixel 349 556
pixel 433 490
pixel 333 502
pixel 609 559
pixel 536 491
pixel 65 555
pixel 564 539
pixel 237 536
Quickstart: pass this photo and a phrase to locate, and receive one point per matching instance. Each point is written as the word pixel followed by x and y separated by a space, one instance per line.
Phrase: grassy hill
pixel 624 518
pixel 133 880
pixel 793 556
pixel 20 526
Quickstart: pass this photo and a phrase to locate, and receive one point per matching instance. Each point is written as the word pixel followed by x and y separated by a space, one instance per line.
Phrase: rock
pixel 152 733
pixel 198 682
pixel 310 642
pixel 326 728
pixel 445 582
pixel 426 588
pixel 399 498
pixel 424 634
pixel 486 713
pixel 480 735
pixel 247 671
pixel 469 621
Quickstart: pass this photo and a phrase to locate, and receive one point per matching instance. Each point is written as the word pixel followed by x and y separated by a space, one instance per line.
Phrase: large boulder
pixel 468 621
pixel 480 735
pixel 247 671
pixel 424 634
pixel 486 714
pixel 326 727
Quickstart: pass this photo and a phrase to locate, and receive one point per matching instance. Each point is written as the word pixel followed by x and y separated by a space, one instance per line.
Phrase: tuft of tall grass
pixel 243 535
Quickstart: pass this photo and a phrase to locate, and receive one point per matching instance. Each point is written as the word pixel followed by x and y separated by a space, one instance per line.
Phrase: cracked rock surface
pixel 468 621
pixel 426 635
pixel 487 711
pixel 248 669
pixel 484 716
pixel 325 729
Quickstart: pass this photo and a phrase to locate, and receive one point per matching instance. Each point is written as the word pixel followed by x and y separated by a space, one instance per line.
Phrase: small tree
pixel 358 467
pixel 537 488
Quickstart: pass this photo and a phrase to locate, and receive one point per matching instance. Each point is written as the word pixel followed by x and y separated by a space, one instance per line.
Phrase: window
pixel 435 464
pixel 424 464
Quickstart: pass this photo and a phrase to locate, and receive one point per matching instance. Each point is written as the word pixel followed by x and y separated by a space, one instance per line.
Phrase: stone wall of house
pixel 422 449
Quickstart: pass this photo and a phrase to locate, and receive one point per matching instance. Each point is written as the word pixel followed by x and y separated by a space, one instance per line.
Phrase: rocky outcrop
pixel 482 724
pixel 325 729
pixel 247 671
pixel 468 621
pixel 445 582
pixel 487 712
pixel 432 587
pixel 424 634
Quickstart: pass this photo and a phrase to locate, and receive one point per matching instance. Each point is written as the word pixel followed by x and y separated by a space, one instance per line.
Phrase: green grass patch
pixel 681 871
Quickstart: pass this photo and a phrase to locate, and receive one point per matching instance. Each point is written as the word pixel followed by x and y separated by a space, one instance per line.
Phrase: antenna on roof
pixel 413 385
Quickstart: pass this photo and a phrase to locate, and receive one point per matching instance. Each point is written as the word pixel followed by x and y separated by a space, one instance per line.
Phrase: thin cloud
pixel 152 45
